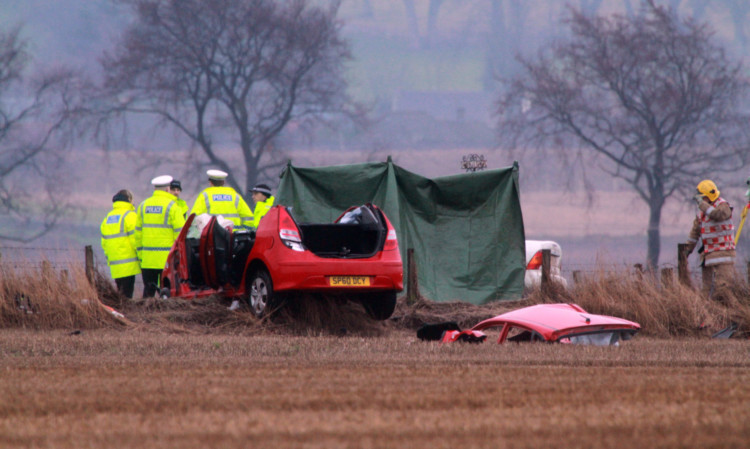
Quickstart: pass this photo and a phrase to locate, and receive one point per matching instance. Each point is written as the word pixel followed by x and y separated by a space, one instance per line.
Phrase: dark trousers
pixel 125 286
pixel 151 279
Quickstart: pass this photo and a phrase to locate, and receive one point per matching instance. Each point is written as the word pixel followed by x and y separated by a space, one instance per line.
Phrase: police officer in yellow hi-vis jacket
pixel 118 242
pixel 263 199
pixel 159 221
pixel 219 199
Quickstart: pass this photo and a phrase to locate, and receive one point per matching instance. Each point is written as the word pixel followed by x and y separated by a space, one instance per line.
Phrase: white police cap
pixel 217 175
pixel 161 181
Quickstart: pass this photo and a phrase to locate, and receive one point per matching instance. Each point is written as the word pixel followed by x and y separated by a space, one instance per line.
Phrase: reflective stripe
pixel 119 262
pixel 718 260
pixel 166 214
pixel 208 204
pixel 225 215
pixel 156 248
pixel 122 222
pixel 692 240
pixel 236 201
pixel 146 225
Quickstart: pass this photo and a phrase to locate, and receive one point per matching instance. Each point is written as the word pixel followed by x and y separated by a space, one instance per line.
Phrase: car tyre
pixel 380 305
pixel 261 297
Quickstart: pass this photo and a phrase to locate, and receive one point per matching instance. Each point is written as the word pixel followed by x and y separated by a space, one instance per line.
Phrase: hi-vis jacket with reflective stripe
pixel 261 208
pixel 159 221
pixel 226 202
pixel 118 240
pixel 713 225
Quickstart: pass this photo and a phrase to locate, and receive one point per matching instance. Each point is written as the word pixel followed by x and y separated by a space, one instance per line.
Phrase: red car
pixel 356 256
pixel 563 323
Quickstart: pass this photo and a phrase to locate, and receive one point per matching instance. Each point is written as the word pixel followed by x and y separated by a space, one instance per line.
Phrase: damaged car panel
pixel 357 256
pixel 553 323
pixel 563 323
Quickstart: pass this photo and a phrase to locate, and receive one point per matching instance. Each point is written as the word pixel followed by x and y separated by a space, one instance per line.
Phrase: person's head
pixel 175 188
pixel 161 182
pixel 708 189
pixel 123 195
pixel 216 177
pixel 260 192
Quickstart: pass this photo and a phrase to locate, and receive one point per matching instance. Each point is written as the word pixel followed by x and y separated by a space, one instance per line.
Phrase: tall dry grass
pixel 46 298
pixel 662 309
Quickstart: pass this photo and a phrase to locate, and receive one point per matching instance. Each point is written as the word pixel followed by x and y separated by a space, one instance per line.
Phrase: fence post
pixel 412 284
pixel 639 271
pixel 577 276
pixel 667 277
pixel 89 264
pixel 682 265
pixel 546 261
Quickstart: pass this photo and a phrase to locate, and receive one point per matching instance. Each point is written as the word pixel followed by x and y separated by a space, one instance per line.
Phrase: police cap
pixel 161 181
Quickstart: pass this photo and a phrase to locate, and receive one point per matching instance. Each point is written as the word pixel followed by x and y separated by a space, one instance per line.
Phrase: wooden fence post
pixel 638 271
pixel 682 265
pixel 546 262
pixel 667 277
pixel 89 264
pixel 412 284
pixel 577 276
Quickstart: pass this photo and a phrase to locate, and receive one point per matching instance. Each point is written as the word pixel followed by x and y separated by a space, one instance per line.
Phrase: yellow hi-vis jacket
pixel 118 240
pixel 261 208
pixel 224 201
pixel 159 221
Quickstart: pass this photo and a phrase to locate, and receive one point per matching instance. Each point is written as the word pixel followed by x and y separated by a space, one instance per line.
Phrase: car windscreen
pixel 607 338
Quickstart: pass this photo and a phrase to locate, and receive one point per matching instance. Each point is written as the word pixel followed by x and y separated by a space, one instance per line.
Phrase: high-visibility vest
pixel 183 206
pixel 118 240
pixel 159 222
pixel 224 201
pixel 716 236
pixel 261 208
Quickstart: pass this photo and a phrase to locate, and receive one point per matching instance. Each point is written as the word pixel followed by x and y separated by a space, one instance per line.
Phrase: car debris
pixel 558 323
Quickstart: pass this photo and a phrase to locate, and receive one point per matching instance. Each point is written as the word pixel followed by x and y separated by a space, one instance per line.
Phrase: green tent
pixel 466 230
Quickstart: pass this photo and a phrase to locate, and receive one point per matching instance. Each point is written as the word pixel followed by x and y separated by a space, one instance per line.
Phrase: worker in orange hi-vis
pixel 713 228
pixel 744 213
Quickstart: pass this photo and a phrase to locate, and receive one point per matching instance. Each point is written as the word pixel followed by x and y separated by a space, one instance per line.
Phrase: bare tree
pixel 233 71
pixel 36 117
pixel 653 95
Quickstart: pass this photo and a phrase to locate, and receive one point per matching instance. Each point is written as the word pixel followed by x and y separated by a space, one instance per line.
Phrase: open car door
pixel 214 254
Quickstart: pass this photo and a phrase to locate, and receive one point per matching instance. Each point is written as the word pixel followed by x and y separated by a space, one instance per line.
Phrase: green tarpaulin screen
pixel 466 230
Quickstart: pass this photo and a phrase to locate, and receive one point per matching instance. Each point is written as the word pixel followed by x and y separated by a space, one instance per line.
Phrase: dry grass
pixel 137 389
pixel 44 298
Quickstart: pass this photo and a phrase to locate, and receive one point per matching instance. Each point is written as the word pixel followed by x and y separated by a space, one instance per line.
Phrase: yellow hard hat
pixel 709 189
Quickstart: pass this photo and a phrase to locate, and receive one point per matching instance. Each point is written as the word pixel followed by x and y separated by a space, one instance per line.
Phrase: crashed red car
pixel 356 256
pixel 563 323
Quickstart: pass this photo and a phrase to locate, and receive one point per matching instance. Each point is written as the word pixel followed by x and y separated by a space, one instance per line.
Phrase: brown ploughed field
pixel 140 388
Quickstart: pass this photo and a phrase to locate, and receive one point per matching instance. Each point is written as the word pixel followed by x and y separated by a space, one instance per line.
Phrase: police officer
pixel 713 227
pixel 159 221
pixel 175 188
pixel 218 199
pixel 118 242
pixel 263 199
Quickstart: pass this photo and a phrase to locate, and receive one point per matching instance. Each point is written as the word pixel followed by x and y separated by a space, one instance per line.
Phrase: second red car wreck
pixel 560 323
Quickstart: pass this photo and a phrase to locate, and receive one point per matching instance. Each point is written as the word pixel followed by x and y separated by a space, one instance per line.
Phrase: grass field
pixel 107 388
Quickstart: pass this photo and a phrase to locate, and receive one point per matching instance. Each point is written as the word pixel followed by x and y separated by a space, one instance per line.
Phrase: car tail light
pixel 289 232
pixel 535 261
pixel 391 242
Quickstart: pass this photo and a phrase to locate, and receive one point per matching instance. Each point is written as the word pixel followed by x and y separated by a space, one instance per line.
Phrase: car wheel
pixel 379 306
pixel 260 293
